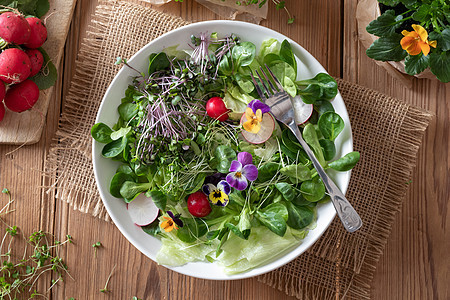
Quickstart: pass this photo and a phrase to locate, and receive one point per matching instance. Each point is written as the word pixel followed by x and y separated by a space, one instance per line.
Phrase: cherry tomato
pixel 216 109
pixel 198 205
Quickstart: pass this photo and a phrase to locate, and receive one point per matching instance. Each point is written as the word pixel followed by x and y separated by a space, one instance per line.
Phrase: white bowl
pixel 104 169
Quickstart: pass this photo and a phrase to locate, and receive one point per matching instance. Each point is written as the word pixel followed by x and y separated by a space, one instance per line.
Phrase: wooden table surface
pixel 415 263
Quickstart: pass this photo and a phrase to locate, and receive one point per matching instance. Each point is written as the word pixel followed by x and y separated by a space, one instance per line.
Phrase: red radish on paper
pixel 142 210
pixel 38 33
pixel 36 60
pixel 14 28
pixel 15 65
pixel 21 97
pixel 2 111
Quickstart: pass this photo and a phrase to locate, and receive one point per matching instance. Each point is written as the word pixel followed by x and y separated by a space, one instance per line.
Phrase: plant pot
pixel 366 12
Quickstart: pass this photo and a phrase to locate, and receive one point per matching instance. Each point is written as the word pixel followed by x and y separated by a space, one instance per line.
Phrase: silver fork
pixel 281 108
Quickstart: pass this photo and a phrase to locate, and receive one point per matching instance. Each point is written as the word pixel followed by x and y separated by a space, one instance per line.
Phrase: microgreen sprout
pixel 105 289
pixel 96 246
pixel 39 257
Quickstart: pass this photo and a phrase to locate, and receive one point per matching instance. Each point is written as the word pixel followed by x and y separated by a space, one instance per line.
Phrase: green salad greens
pixel 229 183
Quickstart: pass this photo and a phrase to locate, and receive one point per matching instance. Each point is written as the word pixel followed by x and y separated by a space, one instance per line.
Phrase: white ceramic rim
pixel 326 212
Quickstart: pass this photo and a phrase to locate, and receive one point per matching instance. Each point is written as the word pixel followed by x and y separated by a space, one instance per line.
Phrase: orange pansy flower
pixel 416 41
pixel 168 225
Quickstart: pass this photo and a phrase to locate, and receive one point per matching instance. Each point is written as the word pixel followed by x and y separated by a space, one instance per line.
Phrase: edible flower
pixel 241 171
pixel 217 194
pixel 254 114
pixel 171 222
pixel 416 41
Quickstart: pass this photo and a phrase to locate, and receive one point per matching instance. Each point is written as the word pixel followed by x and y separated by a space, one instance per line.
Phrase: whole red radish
pixel 2 111
pixel 2 90
pixel 15 65
pixel 38 33
pixel 198 205
pixel 21 97
pixel 216 109
pixel 36 59
pixel 14 28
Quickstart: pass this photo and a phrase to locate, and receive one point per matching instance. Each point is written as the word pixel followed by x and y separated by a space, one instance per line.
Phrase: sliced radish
pixel 142 210
pixel 267 127
pixel 303 111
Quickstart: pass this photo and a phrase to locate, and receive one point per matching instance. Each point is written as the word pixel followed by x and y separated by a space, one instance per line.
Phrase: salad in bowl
pixel 197 170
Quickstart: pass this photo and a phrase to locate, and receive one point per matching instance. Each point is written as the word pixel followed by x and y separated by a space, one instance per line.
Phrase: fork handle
pixel 348 215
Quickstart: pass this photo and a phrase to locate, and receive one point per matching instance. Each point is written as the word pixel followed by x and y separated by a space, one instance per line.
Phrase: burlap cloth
pixel 386 131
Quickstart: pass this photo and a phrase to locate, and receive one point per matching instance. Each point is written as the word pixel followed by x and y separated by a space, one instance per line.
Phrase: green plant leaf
pixel 422 13
pixel 345 163
pixel 415 64
pixel 224 155
pixel 42 7
pixel 387 49
pixel 159 198
pixel 331 125
pixel 385 25
pixel 389 2
pixel 440 65
pixel 101 133
pixel 299 216
pixel 297 172
pixel 313 190
pixel 286 190
pixel 274 217
pixel 116 183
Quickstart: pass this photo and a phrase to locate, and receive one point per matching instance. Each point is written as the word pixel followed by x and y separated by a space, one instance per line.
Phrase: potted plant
pixel 413 35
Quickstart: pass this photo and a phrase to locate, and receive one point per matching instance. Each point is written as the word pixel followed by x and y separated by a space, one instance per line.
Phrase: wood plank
pixel 27 127
pixel 415 264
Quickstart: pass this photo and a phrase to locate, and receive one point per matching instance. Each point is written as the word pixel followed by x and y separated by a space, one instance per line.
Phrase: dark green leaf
pixel 421 14
pixel 345 163
pixel 191 230
pixel 287 55
pixel 42 7
pixel 274 217
pixel 444 41
pixel 153 228
pixel 416 64
pixel 330 125
pixel 236 231
pixel 101 133
pixel 286 190
pixel 212 234
pixel 298 172
pixel 127 111
pixel 195 184
pixel 387 49
pixel 299 216
pixel 328 148
pixel 224 155
pixel 390 2
pixel 440 65
pixel 159 198
pixel 130 190
pixel 313 190
pixel 385 25
pixel 47 75
pixel 267 171
pixel 116 183
pixel 114 148
pixel 158 62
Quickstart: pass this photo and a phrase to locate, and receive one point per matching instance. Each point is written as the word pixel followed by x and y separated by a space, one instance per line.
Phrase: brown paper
pixel 386 132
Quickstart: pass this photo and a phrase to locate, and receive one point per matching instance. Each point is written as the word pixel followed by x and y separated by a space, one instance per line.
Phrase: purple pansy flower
pixel 175 218
pixel 241 171
pixel 256 104
pixel 217 194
